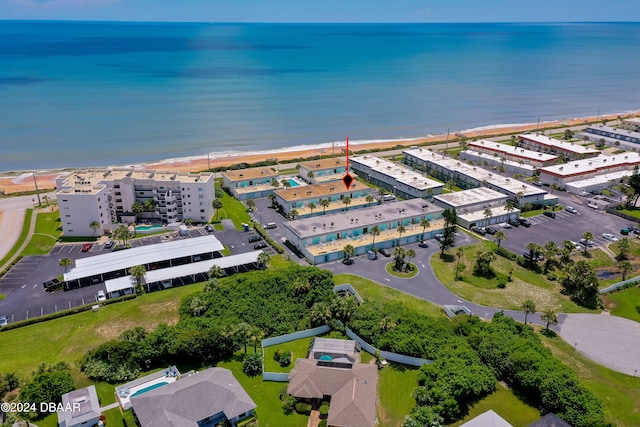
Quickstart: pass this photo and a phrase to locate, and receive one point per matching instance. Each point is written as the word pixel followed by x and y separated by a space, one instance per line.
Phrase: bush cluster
pixel 303 408
pixel 505 253
pixel 282 357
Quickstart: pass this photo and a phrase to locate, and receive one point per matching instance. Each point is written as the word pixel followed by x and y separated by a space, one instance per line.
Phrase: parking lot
pixel 566 226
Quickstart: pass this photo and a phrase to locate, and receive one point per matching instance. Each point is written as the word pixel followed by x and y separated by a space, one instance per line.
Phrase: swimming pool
pixel 293 183
pixel 146 389
pixel 148 227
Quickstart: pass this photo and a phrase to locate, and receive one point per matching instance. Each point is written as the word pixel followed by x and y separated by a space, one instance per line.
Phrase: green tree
pixel 382 192
pixel 449 231
pixel 374 231
pixel 311 207
pixel 450 185
pixel 568 134
pixel 459 254
pixel 369 199
pixel 325 204
pixel 137 207
pixel 510 206
pixel 293 213
pixel 424 223
pixel 138 271
pixel 549 316
pixel 122 234
pixel 565 252
pixel 149 205
pixel 587 235
pixel 483 264
pixel 347 201
pixel 410 254
pixel 423 416
pixel 487 213
pixel 217 205
pixel 310 175
pixel 581 284
pixel 534 250
pixel 500 236
pixel 95 226
pixel 216 271
pixel 64 264
pixel 401 230
pixel 47 387
pixel 398 256
pixel 625 268
pixel 528 307
pixel 257 336
pixel 348 250
pixel 251 204
pixel 286 183
pixel 550 252
pixel 243 334
pixel 263 260
pixel 624 248
pixel 252 364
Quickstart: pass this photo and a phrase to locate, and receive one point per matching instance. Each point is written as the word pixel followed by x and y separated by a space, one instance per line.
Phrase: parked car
pixel 588 243
pixel 260 245
pixel 505 225
pixel 208 228
pixel 347 261
pixel 513 222
pixel 571 209
pixel 385 252
pixel 439 237
pixel 50 283
pixel 525 222
pixel 109 244
pixel 625 231
pixel 3 320
pixel 577 246
pixel 610 237
pixel 480 230
pixel 101 296
pixel 372 255
pixel 550 214
pixel 86 247
pixel 537 257
pixel 423 244
pixel 254 238
pixel 491 230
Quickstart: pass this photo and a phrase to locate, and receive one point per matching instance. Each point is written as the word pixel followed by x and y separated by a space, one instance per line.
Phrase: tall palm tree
pixel 519 196
pixel 549 315
pixel 349 250
pixel 587 235
pixel 347 202
pixel 310 175
pixel 263 260
pixel 400 231
pixel 369 199
pixel 64 264
pixel 487 213
pixel 382 192
pixel 251 204
pixel 500 236
pixel 285 183
pixel 243 334
pixel 410 254
pixel 293 213
pixel 311 206
pixel 138 271
pixel 424 223
pixel 216 271
pixel 257 335
pixel 528 307
pixel 94 225
pixel 217 205
pixel 459 253
pixel 275 183
pixel 375 231
pixel 325 204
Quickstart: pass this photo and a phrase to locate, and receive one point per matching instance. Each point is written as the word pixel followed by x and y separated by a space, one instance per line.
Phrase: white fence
pixel 394 357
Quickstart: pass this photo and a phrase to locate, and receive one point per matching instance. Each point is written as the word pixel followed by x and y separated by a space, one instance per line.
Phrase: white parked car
pixel 610 237
pixel 505 225
pixel 571 209
pixel 577 246
pixel 101 296
pixel 3 320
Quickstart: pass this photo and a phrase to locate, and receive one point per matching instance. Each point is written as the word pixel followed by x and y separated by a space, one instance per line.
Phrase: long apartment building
pixel 467 176
pixel 401 181
pixel 104 195
pixel 507 156
pixel 251 183
pixel 323 170
pixel 625 138
pixel 567 149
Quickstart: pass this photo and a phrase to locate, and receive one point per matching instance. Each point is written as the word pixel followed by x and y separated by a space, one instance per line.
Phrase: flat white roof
pixel 201 267
pixel 511 150
pixel 596 164
pixel 492 158
pixel 556 143
pixel 600 179
pixel 398 172
pixel 120 283
pixel 472 196
pixel 112 261
pixel 620 133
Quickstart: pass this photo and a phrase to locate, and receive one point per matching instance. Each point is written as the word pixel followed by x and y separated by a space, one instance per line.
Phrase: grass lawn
pixel 69 338
pixel 619 393
pixel 507 405
pixel 525 284
pixel 47 232
pixel 372 291
pixel 396 383
pixel 635 212
pixel 233 209
pixel 625 303
pixel 299 349
pixel 21 239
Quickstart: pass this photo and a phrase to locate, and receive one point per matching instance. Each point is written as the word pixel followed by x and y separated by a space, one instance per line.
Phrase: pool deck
pixel 126 391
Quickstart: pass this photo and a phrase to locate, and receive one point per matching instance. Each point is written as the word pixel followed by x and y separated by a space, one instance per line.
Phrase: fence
pixel 616 212
pixel 394 357
pixel 620 285
pixel 349 289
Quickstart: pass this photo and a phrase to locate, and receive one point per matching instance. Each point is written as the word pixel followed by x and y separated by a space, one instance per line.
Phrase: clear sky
pixel 324 10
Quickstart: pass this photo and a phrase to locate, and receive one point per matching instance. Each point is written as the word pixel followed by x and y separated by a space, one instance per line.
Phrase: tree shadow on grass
pixel 447 257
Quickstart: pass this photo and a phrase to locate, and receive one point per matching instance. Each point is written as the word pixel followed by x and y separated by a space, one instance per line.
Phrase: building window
pixel 200 189
pixel 201 210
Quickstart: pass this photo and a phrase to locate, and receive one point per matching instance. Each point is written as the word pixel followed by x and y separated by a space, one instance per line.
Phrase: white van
pixel 270 225
pixel 389 198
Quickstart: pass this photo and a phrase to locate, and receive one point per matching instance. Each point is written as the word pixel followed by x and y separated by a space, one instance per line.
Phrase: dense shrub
pixel 252 364
pixel 505 253
pixel 322 423
pixel 323 410
pixel 48 385
pixel 288 404
pixel 303 408
pixel 282 357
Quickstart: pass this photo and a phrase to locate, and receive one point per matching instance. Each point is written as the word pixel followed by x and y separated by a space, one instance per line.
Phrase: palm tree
pixel 137 207
pixel 549 316
pixel 625 268
pixel 216 204
pixel 534 249
pixel 550 252
pixel 459 253
pixel 424 223
pixel 509 206
pixel 375 231
pixel 519 196
pixel 263 260
pixel 347 202
pixel 398 256
pixel 500 236
pixel 216 271
pixel 138 271
pixel 94 225
pixel 587 235
pixel 400 231
pixel 274 183
pixel 285 183
pixel 251 204
pixel 387 324
pixel 243 334
pixel 382 192
pixel 64 264
pixel 349 250
pixel 325 204
pixel 487 213
pixel 311 206
pixel 256 335
pixel 410 254
pixel 369 199
pixel 528 307
pixel 122 234
pixel 293 213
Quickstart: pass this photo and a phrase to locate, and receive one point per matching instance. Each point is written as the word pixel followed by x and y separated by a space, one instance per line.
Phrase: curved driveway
pixel 608 340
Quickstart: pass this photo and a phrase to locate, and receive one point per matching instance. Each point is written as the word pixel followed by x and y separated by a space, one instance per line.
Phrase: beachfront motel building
pixel 507 157
pixel 627 139
pixel 323 238
pixel 397 179
pixel 323 170
pixel 566 149
pixel 335 192
pixel 250 183
pixel 479 207
pixel 467 176
pixel 105 195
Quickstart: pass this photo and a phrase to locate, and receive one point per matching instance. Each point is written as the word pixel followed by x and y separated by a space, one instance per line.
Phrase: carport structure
pixel 99 268
pixel 120 286
pixel 197 272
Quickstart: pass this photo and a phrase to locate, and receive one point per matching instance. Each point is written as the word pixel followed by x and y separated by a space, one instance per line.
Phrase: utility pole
pixel 209 162
pixel 446 145
pixel 35 181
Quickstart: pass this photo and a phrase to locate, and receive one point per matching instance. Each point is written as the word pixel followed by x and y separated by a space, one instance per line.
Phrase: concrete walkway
pixel 112 406
pixel 10 229
pixel 32 227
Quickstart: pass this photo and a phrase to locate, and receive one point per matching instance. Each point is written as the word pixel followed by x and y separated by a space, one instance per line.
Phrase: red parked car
pixel 86 247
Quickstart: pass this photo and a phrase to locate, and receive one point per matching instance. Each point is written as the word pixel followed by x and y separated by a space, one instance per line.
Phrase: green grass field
pixel 625 303
pixel 525 284
pixel 233 209
pixel 46 233
pixel 298 348
pixel 396 383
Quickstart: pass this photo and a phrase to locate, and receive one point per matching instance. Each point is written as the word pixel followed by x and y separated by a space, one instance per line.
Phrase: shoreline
pixel 23 181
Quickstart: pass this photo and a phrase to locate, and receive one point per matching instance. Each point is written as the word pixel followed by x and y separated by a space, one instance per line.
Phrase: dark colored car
pixel 255 238
pixel 525 222
pixel 347 261
pixel 50 283
pixel 491 230
pixel 537 257
pixel 480 230
pixel 513 222
pixel 423 245
pixel 208 228
pixel 550 214
pixel 625 231
pixel 385 252
pixel 260 245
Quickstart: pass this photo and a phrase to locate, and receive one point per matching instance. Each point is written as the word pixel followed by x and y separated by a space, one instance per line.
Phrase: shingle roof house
pixel 352 391
pixel 487 419
pixel 204 398
pixel 550 420
pixel 86 408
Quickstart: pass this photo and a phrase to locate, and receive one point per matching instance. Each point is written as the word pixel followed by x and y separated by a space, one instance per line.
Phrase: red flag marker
pixel 347 179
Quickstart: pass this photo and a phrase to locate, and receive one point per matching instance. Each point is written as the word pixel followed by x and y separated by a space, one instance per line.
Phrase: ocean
pixel 75 94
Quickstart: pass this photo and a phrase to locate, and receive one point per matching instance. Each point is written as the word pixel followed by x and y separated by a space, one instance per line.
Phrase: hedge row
pixel 505 253
pixel 261 231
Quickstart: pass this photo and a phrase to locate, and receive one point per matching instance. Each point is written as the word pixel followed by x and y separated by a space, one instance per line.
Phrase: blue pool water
pixel 293 183
pixel 146 389
pixel 147 227
pixel 326 357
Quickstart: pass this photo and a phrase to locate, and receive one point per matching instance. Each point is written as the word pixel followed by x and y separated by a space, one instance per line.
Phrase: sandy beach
pixel 46 179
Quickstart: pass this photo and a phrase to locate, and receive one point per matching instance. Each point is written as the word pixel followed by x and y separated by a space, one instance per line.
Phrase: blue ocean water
pixel 89 93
